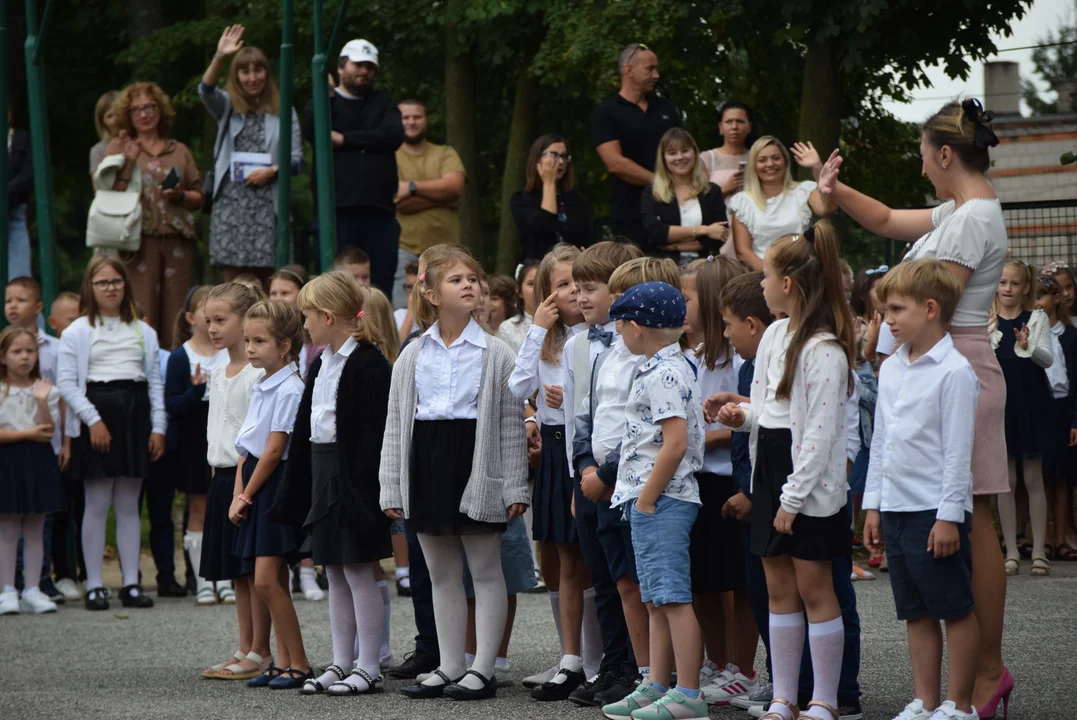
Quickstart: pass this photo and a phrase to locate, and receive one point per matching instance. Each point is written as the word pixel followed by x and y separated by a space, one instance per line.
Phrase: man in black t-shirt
pixel 626 128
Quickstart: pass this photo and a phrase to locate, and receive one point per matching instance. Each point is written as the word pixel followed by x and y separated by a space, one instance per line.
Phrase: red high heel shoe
pixel 1002 694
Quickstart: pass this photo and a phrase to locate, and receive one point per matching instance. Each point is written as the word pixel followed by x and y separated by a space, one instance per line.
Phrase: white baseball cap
pixel 360 51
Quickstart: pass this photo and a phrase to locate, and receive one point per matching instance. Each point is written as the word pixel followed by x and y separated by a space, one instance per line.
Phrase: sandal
pixel 205 597
pixel 290 679
pixel 374 685
pixel 271 673
pixel 236 671
pixel 1024 548
pixel 1012 566
pixel 211 672
pixel 225 593
pixel 1065 553
pixel 313 687
pixel 773 715
pixel 1041 567
pixel 834 712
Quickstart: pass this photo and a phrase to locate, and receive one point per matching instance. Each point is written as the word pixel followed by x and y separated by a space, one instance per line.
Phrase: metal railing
pixel 1042 231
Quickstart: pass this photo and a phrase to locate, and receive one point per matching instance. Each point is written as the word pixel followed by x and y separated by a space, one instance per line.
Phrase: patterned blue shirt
pixel 664 387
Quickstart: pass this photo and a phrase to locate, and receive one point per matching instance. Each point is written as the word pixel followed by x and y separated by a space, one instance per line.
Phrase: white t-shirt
pixel 784 214
pixel 776 412
pixel 691 213
pixel 116 351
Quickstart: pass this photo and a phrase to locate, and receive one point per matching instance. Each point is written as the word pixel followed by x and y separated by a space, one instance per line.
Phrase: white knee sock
pixel 491 603
pixel 33 549
pixel 10 527
pixel 341 623
pixel 94 517
pixel 125 492
pixel 592 635
pixel 369 616
pixel 786 647
pixel 444 558
pixel 827 643
pixel 555 607
pixel 385 649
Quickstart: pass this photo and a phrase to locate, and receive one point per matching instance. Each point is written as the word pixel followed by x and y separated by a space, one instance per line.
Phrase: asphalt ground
pixel 145 664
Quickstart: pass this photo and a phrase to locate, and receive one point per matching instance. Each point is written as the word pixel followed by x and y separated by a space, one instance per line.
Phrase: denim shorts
pixel 923 585
pixel 661 542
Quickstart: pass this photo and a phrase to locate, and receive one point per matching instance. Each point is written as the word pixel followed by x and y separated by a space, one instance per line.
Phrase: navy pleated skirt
pixel 551 502
pixel 30 479
pixel 258 536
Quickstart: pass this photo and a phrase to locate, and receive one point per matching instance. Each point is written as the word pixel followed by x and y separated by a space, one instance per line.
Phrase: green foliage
pixel 1055 64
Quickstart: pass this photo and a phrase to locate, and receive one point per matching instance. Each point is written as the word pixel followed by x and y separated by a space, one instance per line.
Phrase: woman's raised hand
pixel 828 175
pixel 547 169
pixel 806 155
pixel 231 40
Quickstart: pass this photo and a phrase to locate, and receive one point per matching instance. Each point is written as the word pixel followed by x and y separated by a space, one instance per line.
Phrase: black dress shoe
pixel 133 597
pixel 555 691
pixel 401 589
pixel 459 692
pixel 585 695
pixel 170 588
pixel 622 687
pixel 415 663
pixel 95 599
pixel 428 692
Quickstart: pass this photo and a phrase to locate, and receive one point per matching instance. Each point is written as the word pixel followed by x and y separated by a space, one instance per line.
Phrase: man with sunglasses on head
pixel 626 128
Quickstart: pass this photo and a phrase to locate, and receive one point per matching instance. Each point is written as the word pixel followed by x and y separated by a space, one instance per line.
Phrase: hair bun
pixel 980 119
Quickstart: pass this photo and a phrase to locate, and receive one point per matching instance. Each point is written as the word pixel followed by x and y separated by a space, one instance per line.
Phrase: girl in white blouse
pixel 772 204
pixel 109 375
pixel 30 485
pixel 797 412
pixel 230 387
pixel 539 368
pixel 273 332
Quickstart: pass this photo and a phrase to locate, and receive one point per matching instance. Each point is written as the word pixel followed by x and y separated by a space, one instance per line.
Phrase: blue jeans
pixel 422 597
pixel 18 243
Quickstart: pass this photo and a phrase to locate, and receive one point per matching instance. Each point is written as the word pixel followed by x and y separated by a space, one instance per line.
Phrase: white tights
pixel 32 528
pixel 356 617
pixel 1037 509
pixel 444 557
pixel 122 494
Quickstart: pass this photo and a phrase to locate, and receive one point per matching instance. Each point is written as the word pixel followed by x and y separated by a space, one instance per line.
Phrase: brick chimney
pixel 1002 88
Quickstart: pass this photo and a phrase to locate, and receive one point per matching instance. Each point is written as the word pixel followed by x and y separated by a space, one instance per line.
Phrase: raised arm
pixel 230 42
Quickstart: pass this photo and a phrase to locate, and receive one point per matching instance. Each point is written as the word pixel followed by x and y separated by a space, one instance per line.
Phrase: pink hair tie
pixel 360 314
pixel 422 278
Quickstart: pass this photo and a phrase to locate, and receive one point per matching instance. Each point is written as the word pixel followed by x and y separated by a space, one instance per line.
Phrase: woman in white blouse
pixel 773 204
pixel 968 234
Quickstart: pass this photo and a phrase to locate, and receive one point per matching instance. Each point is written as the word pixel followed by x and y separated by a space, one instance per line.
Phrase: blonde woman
pixel 773 204
pixel 683 211
pixel 104 121
pixel 243 220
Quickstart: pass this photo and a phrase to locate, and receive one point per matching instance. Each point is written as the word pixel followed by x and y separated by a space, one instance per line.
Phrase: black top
pixel 659 216
pixel 540 229
pixel 364 168
pixel 362 405
pixel 638 132
pixel 20 170
pixel 188 412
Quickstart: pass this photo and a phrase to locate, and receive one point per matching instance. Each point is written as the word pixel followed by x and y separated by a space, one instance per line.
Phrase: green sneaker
pixel 641 697
pixel 674 705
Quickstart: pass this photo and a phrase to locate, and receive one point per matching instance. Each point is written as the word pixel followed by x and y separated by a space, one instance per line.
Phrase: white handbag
pixel 115 217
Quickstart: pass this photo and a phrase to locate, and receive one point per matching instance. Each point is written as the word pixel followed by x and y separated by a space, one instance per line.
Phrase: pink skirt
pixel 990 473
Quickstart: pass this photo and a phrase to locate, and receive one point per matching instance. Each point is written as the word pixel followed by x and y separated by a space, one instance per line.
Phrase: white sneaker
pixel 36 602
pixel 9 602
pixel 948 711
pixel 730 683
pixel 914 711
pixel 764 693
pixel 756 711
pixel 69 589
pixel 541 678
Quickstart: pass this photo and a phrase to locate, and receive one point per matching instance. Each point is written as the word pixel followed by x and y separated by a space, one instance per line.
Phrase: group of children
pixel 684 441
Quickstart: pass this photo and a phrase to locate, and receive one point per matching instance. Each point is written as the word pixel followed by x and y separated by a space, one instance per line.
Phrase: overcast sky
pixel 1029 30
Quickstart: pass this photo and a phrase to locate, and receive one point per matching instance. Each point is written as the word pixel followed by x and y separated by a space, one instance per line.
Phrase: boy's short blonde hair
pixel 669 336
pixel 644 269
pixel 598 262
pixel 923 280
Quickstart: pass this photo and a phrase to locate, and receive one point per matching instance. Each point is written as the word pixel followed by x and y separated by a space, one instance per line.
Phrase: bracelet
pixel 693 232
pixel 245 499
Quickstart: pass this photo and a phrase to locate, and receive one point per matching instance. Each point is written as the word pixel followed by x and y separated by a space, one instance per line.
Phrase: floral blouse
pixel 159 216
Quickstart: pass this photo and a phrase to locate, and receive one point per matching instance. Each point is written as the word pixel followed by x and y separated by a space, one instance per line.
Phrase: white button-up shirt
pixel 612 387
pixel 717 460
pixel 921 449
pixel 274 404
pixel 665 387
pixel 532 373
pixel 323 406
pixel 572 391
pixel 448 378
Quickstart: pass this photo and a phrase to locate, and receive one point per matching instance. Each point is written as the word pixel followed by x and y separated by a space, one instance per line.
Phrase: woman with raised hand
pixel 967 232
pixel 243 220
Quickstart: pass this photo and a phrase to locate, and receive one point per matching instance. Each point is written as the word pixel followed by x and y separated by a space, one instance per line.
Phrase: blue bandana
pixel 651 304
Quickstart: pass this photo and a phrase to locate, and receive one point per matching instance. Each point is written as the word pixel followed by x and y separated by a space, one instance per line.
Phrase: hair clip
pixel 1050 284
pixel 881 270
pixel 422 278
pixel 360 314
pixel 710 258
pixel 809 234
pixel 795 238
pixel 1054 267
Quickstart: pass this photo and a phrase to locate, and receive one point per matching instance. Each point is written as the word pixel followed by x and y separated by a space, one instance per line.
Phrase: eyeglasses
pixel 558 156
pixel 144 109
pixel 116 283
pixel 636 47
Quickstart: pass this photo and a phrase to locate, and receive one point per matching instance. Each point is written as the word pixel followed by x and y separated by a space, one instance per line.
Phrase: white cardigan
pixel 817 416
pixel 1039 340
pixel 74 366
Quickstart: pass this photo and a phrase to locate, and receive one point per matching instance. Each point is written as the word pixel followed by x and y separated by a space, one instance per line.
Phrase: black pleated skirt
pixel 258 535
pixel 218 562
pixel 30 479
pixel 328 542
pixel 124 406
pixel 441 456
pixel 813 538
pixel 717 543
pixel 551 502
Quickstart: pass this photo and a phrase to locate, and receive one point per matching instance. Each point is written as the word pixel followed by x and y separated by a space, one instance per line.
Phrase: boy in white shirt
pixel 919 486
pixel 661 451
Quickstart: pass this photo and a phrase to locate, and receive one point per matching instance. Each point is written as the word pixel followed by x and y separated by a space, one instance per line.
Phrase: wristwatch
pixel 413 189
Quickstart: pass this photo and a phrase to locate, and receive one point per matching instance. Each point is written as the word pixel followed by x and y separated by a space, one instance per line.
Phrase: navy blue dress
pixel 1028 395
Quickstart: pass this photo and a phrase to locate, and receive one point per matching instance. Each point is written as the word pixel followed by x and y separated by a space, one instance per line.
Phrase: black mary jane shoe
pixel 170 588
pixel 133 597
pixel 428 692
pixel 96 600
pixel 460 692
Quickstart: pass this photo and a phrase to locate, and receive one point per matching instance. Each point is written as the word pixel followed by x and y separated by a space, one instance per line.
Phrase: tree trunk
pixel 521 134
pixel 460 132
pixel 821 99
pixel 143 18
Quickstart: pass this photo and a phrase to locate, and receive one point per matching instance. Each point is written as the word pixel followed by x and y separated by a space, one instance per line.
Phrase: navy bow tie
pixel 596 333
